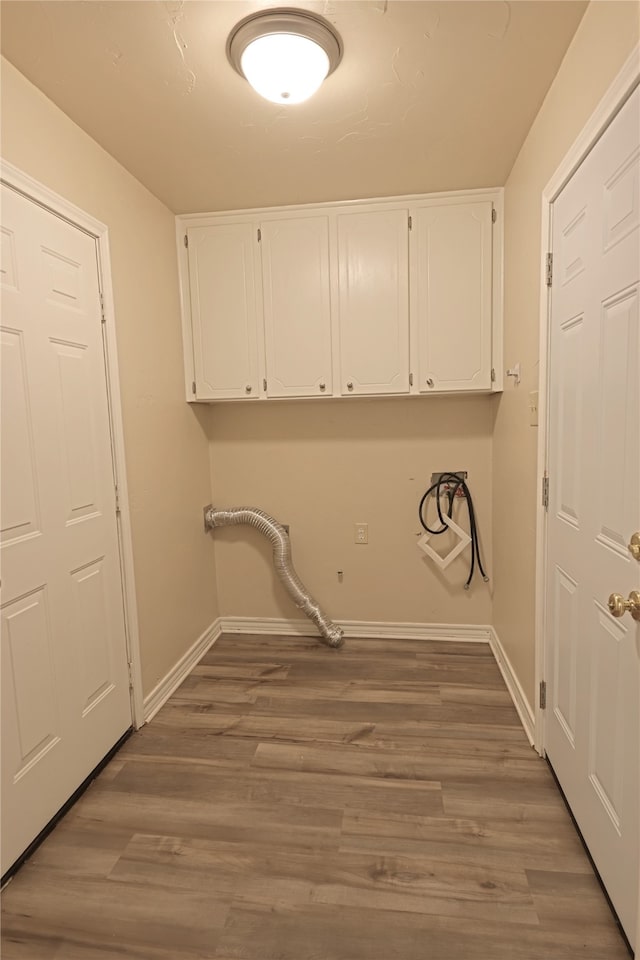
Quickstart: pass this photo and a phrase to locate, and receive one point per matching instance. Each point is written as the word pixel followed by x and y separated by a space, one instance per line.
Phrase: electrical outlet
pixel 533 408
pixel 361 533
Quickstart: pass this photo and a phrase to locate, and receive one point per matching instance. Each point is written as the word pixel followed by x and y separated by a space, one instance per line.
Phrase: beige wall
pixel 602 42
pixel 166 448
pixel 320 466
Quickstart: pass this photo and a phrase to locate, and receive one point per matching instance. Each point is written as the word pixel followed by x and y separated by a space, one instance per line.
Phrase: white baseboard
pixel 374 630
pixel 163 690
pixel 514 687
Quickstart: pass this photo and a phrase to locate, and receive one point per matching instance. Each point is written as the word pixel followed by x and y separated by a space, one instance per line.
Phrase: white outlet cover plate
pixel 463 541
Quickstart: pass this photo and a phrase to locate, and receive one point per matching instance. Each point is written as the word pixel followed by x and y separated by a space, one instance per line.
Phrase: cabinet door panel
pixel 224 310
pixel 297 307
pixel 453 277
pixel 373 255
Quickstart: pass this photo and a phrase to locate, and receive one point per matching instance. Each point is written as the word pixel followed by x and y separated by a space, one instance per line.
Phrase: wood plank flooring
pixel 292 802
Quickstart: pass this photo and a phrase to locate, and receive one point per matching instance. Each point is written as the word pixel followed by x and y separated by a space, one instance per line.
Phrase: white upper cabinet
pixel 364 298
pixel 297 306
pixel 373 301
pixel 452 309
pixel 224 310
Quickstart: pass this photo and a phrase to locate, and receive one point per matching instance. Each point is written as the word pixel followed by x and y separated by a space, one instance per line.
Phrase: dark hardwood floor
pixel 292 802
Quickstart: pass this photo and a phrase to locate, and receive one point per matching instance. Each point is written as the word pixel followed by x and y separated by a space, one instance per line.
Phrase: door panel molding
pixel 37 192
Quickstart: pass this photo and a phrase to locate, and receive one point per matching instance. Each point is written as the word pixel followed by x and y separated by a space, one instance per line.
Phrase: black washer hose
pixel 454 483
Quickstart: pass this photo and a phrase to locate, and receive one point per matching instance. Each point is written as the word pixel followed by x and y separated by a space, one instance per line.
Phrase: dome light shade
pixel 284 54
pixel 284 67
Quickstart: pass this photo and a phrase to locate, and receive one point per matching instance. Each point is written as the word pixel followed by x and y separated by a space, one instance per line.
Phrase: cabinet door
pixel 224 312
pixel 297 308
pixel 373 300
pixel 452 273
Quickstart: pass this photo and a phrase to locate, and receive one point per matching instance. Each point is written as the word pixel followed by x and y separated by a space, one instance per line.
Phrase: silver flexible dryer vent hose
pixel 279 539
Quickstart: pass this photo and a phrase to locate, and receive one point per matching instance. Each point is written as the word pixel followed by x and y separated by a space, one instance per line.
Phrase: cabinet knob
pixel 350 385
pixel 247 389
pixel 429 382
pixel 323 385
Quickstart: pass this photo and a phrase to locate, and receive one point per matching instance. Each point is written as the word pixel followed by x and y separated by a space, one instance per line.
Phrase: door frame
pixel 37 192
pixel 615 97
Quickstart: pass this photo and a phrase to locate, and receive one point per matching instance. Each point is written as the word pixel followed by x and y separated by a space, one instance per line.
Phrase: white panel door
pixel 65 685
pixel 373 300
pixel 593 720
pixel 224 310
pixel 297 306
pixel 452 279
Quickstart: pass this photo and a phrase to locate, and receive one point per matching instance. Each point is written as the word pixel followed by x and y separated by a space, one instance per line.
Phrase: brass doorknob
pixel 618 606
pixel 634 546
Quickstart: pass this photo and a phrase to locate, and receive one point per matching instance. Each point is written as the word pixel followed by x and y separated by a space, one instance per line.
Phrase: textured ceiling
pixel 429 96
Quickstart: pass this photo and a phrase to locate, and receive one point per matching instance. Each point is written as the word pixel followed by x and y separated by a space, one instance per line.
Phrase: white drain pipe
pixel 278 536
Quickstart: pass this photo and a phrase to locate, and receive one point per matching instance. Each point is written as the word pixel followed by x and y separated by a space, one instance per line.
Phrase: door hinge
pixel 264 384
pixel 549 269
pixel 103 315
pixel 410 379
pixel 494 215
pixel 259 234
pixel 410 223
pixel 130 668
pixel 545 492
pixel 193 387
pixel 117 501
pixel 186 240
pixel 493 374
pixel 543 694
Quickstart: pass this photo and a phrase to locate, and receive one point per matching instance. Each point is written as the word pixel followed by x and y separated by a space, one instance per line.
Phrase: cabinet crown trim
pixel 462 196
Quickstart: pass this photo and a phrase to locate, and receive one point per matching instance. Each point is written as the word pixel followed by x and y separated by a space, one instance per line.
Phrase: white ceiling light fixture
pixel 285 54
